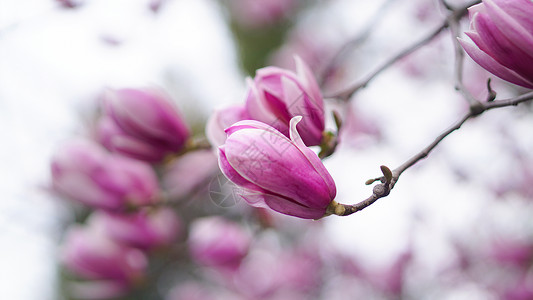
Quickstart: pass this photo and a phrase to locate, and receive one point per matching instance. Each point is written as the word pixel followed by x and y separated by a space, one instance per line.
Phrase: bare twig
pixel 456 14
pixel 459 57
pixel 383 189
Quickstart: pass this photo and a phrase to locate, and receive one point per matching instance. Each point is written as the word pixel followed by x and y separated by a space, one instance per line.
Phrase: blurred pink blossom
pixel 90 254
pixel 261 13
pixel 144 229
pixel 84 171
pixel 217 242
pixel 222 119
pixel 189 172
pixel 142 124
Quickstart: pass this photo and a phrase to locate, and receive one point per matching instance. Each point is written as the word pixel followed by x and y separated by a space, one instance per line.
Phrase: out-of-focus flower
pixel 141 123
pixel 190 291
pixel 222 119
pixel 69 3
pixel 90 254
pixel 260 13
pixel 503 33
pixel 512 252
pixel 276 95
pixel 144 229
pixel 276 172
pixel 85 172
pixel 299 270
pixel 190 172
pixel 217 242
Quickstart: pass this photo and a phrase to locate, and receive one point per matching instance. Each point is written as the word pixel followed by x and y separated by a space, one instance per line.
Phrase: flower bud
pixel 216 242
pixel 85 172
pixel 143 124
pixel 144 229
pixel 274 171
pixel 276 95
pixel 90 254
pixel 503 33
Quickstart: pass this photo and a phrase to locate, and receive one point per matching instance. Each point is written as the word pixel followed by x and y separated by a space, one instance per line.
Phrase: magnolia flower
pixel 85 172
pixel 110 268
pixel 276 172
pixel 143 124
pixel 144 229
pixel 277 95
pixel 502 31
pixel 216 242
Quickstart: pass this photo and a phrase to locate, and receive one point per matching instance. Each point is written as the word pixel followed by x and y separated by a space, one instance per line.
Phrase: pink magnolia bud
pixel 189 173
pixel 90 254
pixel 276 95
pixel 222 119
pixel 502 30
pixel 214 241
pixel 85 172
pixel 144 229
pixel 143 124
pixel 276 172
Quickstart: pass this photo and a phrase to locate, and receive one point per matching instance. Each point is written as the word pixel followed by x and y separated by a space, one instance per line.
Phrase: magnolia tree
pixel 237 210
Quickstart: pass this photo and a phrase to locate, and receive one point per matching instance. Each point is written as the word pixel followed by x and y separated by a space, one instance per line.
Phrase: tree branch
pixel 456 14
pixel 383 189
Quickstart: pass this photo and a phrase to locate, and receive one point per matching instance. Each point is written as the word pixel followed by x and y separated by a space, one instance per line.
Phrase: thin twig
pixel 383 189
pixel 459 57
pixel 347 93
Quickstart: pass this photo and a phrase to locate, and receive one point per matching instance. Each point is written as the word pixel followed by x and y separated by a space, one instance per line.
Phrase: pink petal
pixel 276 165
pixel 491 65
pixel 312 158
pixel 291 208
pixel 306 76
pixel 312 124
pixel 233 175
pixel 520 10
pixel 495 43
pixel 510 25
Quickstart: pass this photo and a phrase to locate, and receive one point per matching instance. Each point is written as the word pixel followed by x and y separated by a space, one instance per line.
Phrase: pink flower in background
pixel 502 31
pixel 217 242
pixel 222 119
pixel 142 124
pixel 190 291
pixel 512 252
pixel 276 172
pixel 144 229
pixel 276 95
pixel 260 13
pixel 85 172
pixel 90 254
pixel 189 173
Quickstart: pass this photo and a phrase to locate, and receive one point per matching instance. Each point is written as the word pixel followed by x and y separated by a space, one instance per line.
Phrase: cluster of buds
pixel 114 177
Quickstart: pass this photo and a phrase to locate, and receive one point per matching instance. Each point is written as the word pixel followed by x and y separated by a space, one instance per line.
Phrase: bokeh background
pixel 472 192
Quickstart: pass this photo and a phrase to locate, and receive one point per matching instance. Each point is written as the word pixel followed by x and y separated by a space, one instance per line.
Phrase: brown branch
pixel 456 14
pixel 388 182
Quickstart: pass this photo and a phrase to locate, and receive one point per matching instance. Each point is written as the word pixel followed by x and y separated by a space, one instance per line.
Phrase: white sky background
pixel 53 63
